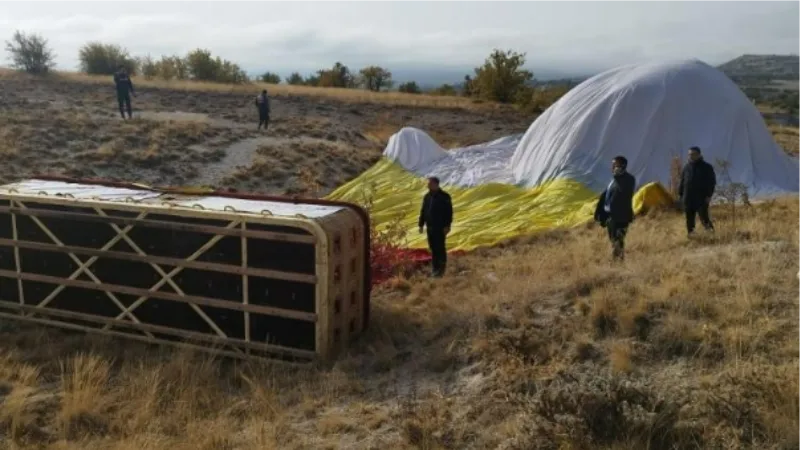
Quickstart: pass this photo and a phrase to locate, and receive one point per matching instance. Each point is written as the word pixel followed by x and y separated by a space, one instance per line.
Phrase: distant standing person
pixel 262 103
pixel 615 206
pixel 698 182
pixel 437 215
pixel 124 87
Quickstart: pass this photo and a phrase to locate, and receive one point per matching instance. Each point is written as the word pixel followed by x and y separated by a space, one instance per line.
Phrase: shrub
pixel 30 53
pixel 97 58
pixel 204 67
pixel 148 67
pixel 445 89
pixel 375 78
pixel 540 98
pixel 501 78
pixel 270 78
pixel 409 87
pixel 295 79
pixel 337 76
pixel 312 80
pixel 172 67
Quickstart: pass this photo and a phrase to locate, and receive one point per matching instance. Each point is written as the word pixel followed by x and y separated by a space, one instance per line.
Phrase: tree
pixel 271 78
pixel 312 80
pixel 201 66
pixel 502 78
pixel 409 87
pixel 30 52
pixel 148 67
pixel 468 89
pixel 337 76
pixel 445 89
pixel 376 78
pixel 97 58
pixel 172 67
pixel 731 192
pixel 295 79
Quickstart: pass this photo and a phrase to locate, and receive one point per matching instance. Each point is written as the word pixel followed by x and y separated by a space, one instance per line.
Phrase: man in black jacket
pixel 124 87
pixel 262 103
pixel 615 206
pixel 437 214
pixel 696 188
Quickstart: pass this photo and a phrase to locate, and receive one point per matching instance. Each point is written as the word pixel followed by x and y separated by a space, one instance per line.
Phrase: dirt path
pixel 237 155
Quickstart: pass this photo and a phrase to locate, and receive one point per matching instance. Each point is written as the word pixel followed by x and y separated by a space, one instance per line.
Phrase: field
pixel 199 134
pixel 539 343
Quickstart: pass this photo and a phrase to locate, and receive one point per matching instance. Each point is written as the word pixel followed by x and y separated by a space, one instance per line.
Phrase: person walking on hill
pixel 262 103
pixel 615 206
pixel 695 190
pixel 437 215
pixel 124 87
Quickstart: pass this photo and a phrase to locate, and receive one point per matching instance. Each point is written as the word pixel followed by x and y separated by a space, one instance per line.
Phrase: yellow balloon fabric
pixel 482 215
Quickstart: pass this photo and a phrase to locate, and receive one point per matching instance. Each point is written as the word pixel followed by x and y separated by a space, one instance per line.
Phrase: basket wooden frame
pixel 327 342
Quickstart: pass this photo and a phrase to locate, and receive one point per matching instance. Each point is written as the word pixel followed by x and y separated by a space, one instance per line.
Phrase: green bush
pixel 97 58
pixel 295 79
pixel 445 90
pixel 409 87
pixel 204 67
pixel 270 78
pixel 172 68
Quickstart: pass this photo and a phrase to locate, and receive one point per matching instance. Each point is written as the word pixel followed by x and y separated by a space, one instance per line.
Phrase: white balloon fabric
pixel 649 113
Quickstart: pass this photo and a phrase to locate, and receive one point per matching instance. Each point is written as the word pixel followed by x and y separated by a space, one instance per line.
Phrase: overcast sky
pixel 567 37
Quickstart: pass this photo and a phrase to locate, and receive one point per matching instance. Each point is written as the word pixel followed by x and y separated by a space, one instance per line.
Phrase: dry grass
pixel 341 94
pixel 786 137
pixel 539 343
pixel 307 166
pixel 77 143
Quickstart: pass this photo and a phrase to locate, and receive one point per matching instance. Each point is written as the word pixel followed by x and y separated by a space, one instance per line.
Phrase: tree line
pixel 501 78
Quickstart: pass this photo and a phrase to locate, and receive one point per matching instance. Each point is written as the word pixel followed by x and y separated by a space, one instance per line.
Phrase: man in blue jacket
pixel 615 206
pixel 437 215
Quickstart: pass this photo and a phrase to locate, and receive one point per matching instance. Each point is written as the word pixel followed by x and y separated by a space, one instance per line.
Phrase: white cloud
pixel 304 36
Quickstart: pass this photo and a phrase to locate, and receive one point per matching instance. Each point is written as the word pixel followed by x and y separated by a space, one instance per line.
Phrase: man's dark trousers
pixel 263 119
pixel 124 100
pixel 697 209
pixel 616 233
pixel 437 244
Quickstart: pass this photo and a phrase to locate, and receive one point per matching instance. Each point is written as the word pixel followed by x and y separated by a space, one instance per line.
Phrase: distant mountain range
pixel 783 70
pixel 763 67
pixel 428 78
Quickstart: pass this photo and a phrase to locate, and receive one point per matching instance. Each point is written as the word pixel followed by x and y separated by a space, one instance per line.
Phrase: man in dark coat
pixel 124 87
pixel 262 103
pixel 437 215
pixel 696 188
pixel 615 206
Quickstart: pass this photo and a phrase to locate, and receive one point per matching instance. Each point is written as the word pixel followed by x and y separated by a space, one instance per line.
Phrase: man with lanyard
pixel 615 206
